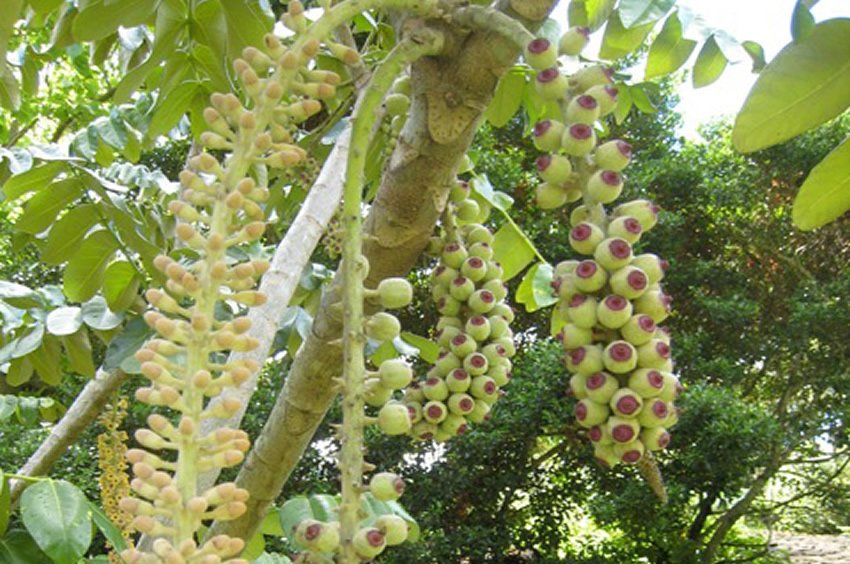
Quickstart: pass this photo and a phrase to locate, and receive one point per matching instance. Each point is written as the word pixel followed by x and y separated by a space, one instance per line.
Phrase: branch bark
pixel 450 93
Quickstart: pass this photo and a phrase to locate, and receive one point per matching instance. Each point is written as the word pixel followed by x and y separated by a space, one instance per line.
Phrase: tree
pixel 163 64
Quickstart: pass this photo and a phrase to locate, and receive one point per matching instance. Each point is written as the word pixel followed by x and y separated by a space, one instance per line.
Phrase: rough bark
pixel 85 409
pixel 450 93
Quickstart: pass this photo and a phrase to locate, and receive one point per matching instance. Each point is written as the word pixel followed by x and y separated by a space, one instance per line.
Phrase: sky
pixel 764 21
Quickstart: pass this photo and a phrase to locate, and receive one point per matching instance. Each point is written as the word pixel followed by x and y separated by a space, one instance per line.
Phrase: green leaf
pixel 78 348
pixel 825 194
pixel 670 50
pixel 325 507
pixel 638 12
pixel 618 41
pixel 10 95
pixel 254 548
pixel 512 249
pixel 428 349
pixel 535 290
pixel 624 103
pixel 247 23
pixel 5 503
pixel 756 53
pixel 641 98
pixel 292 512
pixel 46 360
pixel 589 13
pixel 30 342
pixel 121 349
pixel 33 179
pixel 120 285
pixel 481 187
pixel 507 99
pixel 19 373
pixel 41 210
pixel 56 514
pixel 169 109
pixel 17 295
pixel 107 527
pixel 97 20
pixel 271 523
pixel 97 315
pixel 65 235
pixel 44 6
pixel 711 62
pixel 64 321
pixel 18 547
pixel 806 84
pixel 84 273
pixel 802 22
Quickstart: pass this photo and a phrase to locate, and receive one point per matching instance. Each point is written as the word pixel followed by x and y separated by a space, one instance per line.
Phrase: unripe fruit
pixel 461 288
pixel 413 393
pixel 435 389
pixel 424 430
pixel 582 109
pixel 654 303
pixel 459 192
pixel 671 387
pixel 582 311
pixel 498 288
pixel 453 255
pixel 654 354
pixel 619 357
pixel 308 531
pixel 478 234
pixel 481 301
pixel 626 403
pixel 394 419
pixel 672 417
pixel 592 76
pixel 614 311
pixel 500 374
pixel 585 237
pixel 573 40
pixel 462 345
pixel 461 404
pixel 474 268
pixel 452 426
pixel 655 438
pixel 565 267
pixel 477 327
pixel 383 326
pixel 600 435
pixel 484 388
pixel 652 265
pixel 600 387
pixel 550 84
pixel 540 54
pixel 397 104
pixel 446 334
pixel 443 274
pixel 625 227
pixel 369 543
pixel 503 310
pixel 458 380
pixel 395 374
pixel 507 343
pixel 631 452
pixel 585 360
pixel 447 361
pixel 579 214
pixel 494 271
pixel 613 155
pixel 613 253
pixel 606 95
pixel 643 210
pixel 414 411
pixel 573 336
pixel 328 538
pixel 605 186
pixel 604 455
pixel 589 413
pixel 565 288
pixel 555 169
pixel 434 412
pixel 395 293
pixel 393 527
pixel 547 135
pixel 629 281
pixel 475 364
pixel 647 382
pixel 578 140
pixel 386 486
pixel 480 413
pixel 654 413
pixel 376 394
pixel 622 429
pixel 577 385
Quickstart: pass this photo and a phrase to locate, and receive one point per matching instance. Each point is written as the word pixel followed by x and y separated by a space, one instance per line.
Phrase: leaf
pixel 56 514
pixel 41 210
pixel 292 512
pixel 46 360
pixel 271 523
pixel 84 274
pixel 30 342
pixel 120 285
pixel 535 290
pixel 756 53
pixel 481 187
pixel 44 6
pixel 18 547
pixel 33 179
pixel 670 50
pixel 802 22
pixel 806 84
pixel 618 41
pixel 19 373
pixel 169 109
pixel 254 548
pixel 97 21
pixel 107 527
pixel 65 235
pixel 506 100
pixel 5 503
pixel 624 103
pixel 589 13
pixel 512 249
pixel 825 194
pixel 428 349
pixel 641 98
pixel 119 353
pixel 638 12
pixel 325 507
pixel 98 315
pixel 17 295
pixel 247 23
pixel 78 348
pixel 64 321
pixel 710 64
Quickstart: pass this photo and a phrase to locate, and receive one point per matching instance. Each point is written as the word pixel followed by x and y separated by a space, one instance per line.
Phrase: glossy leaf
pixel 512 249
pixel 756 53
pixel 119 353
pixel 171 108
pixel 589 13
pixel 17 295
pixel 64 321
pixel 825 194
pixel 292 512
pixel 247 23
pixel 5 503
pixel 65 235
pixel 802 22
pixel 535 290
pixel 670 50
pixel 34 179
pixel 807 84
pixel 120 285
pixel 271 523
pixel 506 100
pixel 46 360
pixel 41 210
pixel 710 64
pixel 19 373
pixel 84 273
pixel 639 12
pixel 107 527
pixel 56 514
pixel 79 353
pixel 18 547
pixel 619 41
pixel 98 315
pixel 98 20
pixel 428 349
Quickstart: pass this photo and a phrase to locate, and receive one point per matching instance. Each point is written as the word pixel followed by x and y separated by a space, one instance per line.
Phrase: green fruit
pixel 590 277
pixel 461 404
pixel 589 413
pixel 629 453
pixel 565 267
pixel 604 455
pixel 458 380
pixel 447 361
pixel 498 288
pixel 547 135
pixel 479 234
pixel 382 326
pixel 655 304
pixel 579 214
pixel 591 76
pixel 484 388
pixel 619 357
pixel 605 186
pixel 654 413
pixel 438 292
pixel 481 250
pixel 583 109
pixel 507 343
pixel 397 104
pixel 585 237
pixel 550 84
pixel 461 288
pixel 386 486
pixel 413 393
pixel 477 327
pixel 613 253
pixel 643 210
pixel 476 364
pixel 600 435
pixel 573 41
pixel 434 412
pixel 376 394
pixel 585 360
pixel 503 310
pixel 424 430
pixel 498 326
pixel 435 389
pixel 414 411
pixel 393 527
pixel 613 155
pixel 578 140
pixel 577 385
pixel 462 345
pixel 671 387
pixel 495 353
pixel 540 54
pixel 453 255
pixel 501 374
pixel 446 334
pixel 369 543
pixel 394 419
pixel 480 413
pixel 395 374
pixel 623 429
pixel 452 426
pixel 573 336
pixel 655 438
pixel 481 301
pixel 474 268
pixel 395 293
pixel 647 382
pixel 468 211
pixel 554 169
pixel 639 329
pixel 625 227
pixel 654 354
pixel 626 403
pixel 606 95
pixel 629 282
pixel 549 196
pixel 672 417
pixel 459 192
pixel 444 275
pixel 614 311
pixel 653 266
pixel 600 387
pixel 448 306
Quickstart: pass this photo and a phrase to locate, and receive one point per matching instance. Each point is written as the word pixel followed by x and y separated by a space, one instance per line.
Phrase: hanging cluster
pixel 611 301
pixel 220 208
pixel 113 482
pixel 476 342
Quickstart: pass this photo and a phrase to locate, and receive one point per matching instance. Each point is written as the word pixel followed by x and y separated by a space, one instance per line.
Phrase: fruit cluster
pixel 611 301
pixel 476 342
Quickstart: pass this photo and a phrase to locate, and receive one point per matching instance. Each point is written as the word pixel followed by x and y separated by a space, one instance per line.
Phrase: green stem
pixel 24 478
pixel 483 17
pixel 422 43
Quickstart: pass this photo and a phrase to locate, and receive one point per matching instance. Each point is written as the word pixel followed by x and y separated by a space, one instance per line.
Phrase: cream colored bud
pixel 144 523
pixel 248 120
pixel 219 270
pixel 215 242
pixel 159 423
pixel 241 324
pixel 149 439
pixel 170 495
pixel 215 141
pixel 255 229
pixel 234 200
pixel 141 469
pixel 144 489
pixel 231 405
pixel 197 505
pixel 311 47
pixel 201 379
pixel 169 395
pixel 246 185
pixel 186 426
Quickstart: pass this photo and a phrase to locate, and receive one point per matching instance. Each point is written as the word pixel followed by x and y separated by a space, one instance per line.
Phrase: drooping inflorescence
pixel 611 302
